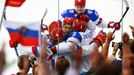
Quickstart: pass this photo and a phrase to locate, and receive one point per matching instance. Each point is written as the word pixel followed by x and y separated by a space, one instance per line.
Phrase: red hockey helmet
pixel 68 21
pixel 79 25
pixel 80 2
pixel 57 33
pixel 53 25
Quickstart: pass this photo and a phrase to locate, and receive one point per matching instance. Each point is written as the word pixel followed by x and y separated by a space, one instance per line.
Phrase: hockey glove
pixel 44 27
pixel 100 38
pixel 52 50
pixel 12 44
pixel 113 24
pixel 84 17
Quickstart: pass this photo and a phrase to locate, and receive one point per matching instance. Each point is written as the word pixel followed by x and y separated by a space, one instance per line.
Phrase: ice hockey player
pixel 82 38
pixel 81 12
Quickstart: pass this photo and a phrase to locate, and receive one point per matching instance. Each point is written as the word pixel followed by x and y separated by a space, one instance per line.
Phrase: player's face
pixel 67 29
pixel 80 9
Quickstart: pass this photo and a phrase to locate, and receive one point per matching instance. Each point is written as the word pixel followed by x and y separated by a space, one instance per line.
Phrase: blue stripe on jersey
pixel 69 13
pixel 76 35
pixel 92 14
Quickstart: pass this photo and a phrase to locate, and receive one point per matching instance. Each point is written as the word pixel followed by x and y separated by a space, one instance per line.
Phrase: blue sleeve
pixel 68 13
pixel 75 35
pixel 92 14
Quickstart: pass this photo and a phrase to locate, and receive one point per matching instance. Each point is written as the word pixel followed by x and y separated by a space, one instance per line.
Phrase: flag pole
pixel 3 13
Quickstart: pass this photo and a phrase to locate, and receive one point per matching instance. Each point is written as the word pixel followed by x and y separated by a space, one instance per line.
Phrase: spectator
pixel 23 64
pixel 62 64
pixel 132 28
pixel 44 66
pixel 128 55
pixel 2 59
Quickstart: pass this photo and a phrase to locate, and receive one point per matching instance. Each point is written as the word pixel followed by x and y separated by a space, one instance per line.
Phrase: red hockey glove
pixel 12 44
pixel 44 27
pixel 53 49
pixel 100 38
pixel 113 24
pixel 84 17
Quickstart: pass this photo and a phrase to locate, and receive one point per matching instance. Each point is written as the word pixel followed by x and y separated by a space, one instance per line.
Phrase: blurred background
pixel 33 10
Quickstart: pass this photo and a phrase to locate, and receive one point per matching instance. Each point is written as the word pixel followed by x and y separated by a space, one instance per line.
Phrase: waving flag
pixel 26 34
pixel 14 3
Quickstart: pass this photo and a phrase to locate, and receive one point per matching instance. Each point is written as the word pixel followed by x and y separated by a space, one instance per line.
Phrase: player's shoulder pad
pixel 76 35
pixel 68 13
pixel 93 14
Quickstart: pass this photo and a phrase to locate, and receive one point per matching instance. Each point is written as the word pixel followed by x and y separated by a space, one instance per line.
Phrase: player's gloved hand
pixel 12 44
pixel 100 38
pixel 113 24
pixel 52 50
pixel 84 17
pixel 44 27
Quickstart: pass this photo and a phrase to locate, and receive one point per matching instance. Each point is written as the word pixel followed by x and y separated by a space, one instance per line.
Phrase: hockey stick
pixel 15 48
pixel 127 8
pixel 46 10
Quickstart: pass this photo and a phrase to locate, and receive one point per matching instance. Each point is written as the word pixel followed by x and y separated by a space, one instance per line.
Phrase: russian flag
pixel 26 34
pixel 14 3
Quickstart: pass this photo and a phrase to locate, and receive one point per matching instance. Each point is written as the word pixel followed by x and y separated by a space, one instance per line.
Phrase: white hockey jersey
pixel 82 39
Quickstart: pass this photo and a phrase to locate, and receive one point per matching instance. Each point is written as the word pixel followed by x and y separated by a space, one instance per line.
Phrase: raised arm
pixel 127 56
pixel 105 50
pixel 132 29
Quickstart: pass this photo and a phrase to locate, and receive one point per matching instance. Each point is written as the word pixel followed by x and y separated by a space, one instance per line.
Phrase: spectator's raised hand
pixel 44 66
pixel 125 38
pixel 132 28
pixel 110 37
pixel 43 48
pixel 2 58
pixel 77 55
pixel 127 56
pixel 105 50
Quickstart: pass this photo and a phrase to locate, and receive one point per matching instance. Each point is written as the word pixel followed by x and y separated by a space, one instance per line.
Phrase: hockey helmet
pixel 53 25
pixel 80 2
pixel 57 34
pixel 79 25
pixel 68 21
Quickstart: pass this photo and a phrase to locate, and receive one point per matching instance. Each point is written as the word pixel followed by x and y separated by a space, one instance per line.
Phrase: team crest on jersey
pixel 90 11
pixel 71 11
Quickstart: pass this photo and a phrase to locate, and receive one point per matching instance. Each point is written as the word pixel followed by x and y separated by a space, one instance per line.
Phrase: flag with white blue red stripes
pixel 26 34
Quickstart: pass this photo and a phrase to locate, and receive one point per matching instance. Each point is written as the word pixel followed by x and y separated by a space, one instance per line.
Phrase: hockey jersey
pixel 82 39
pixel 92 14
